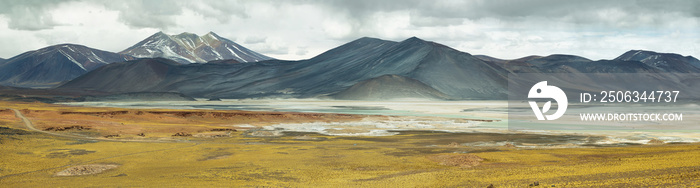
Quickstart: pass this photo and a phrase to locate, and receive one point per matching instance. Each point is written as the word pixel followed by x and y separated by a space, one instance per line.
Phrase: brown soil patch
pixel 86 169
pixel 7 117
pixel 509 145
pixel 655 141
pixel 461 160
pixel 454 145
pixel 132 122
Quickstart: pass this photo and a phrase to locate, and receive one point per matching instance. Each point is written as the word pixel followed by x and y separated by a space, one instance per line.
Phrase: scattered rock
pixel 111 136
pixel 76 127
pixel 182 134
pixel 86 169
pixel 535 184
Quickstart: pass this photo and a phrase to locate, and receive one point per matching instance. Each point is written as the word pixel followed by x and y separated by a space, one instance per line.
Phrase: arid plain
pixel 88 146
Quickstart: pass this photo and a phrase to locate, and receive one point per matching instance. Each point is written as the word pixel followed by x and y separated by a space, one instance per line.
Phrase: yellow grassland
pixel 32 159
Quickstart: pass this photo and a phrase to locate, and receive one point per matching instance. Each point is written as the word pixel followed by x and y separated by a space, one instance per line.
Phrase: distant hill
pixel 50 66
pixel 662 61
pixel 189 48
pixel 626 63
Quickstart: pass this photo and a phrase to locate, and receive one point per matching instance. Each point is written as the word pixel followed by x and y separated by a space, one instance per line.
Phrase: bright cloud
pixel 594 29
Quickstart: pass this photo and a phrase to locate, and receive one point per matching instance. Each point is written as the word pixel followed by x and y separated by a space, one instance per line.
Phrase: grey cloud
pixel 34 14
pixel 147 14
pixel 455 22
pixel 270 49
pixel 255 39
pixel 302 51
pixel 421 21
pixel 161 14
pixel 29 15
pixel 577 12
pixel 508 9
pixel 222 11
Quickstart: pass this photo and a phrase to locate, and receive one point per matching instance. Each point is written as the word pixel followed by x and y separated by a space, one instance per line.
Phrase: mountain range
pixel 53 65
pixel 366 68
pixel 451 72
pixel 189 48
pixel 633 61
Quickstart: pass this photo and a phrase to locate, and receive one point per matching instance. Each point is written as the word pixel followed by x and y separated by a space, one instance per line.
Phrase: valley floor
pixel 55 145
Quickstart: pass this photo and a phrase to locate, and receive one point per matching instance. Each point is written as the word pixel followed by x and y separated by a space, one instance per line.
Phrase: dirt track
pixel 31 126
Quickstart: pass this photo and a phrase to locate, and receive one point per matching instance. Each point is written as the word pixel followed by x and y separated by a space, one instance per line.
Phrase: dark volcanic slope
pixel 153 75
pixel 490 59
pixel 130 76
pixel 48 67
pixel 389 87
pixel 326 73
pixel 454 73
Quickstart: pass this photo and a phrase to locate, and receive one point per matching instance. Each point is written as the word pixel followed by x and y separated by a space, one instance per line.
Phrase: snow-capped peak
pixel 191 48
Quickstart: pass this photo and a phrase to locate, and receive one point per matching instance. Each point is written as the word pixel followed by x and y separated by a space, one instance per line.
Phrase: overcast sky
pixel 302 29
